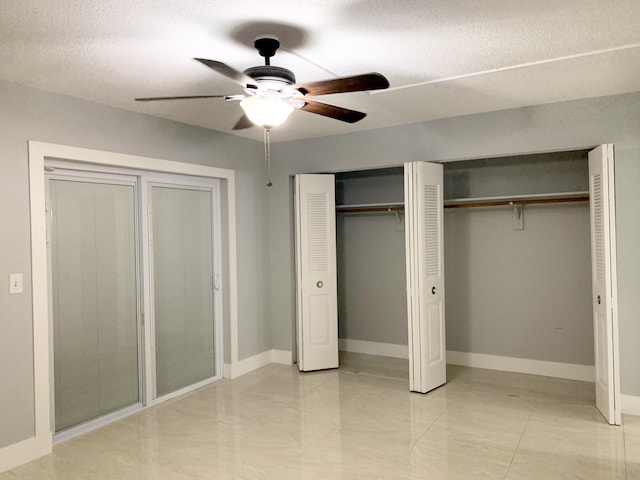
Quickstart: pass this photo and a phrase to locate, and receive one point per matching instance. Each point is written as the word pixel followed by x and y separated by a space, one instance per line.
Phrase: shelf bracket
pixel 399 221
pixel 517 215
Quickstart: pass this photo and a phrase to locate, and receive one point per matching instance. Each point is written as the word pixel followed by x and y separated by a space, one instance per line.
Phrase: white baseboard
pixel 630 404
pixel 24 452
pixel 568 371
pixel 281 356
pixel 250 364
pixel 373 348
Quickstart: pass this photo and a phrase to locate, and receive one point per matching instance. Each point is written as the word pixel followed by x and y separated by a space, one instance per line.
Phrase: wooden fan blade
pixel 331 111
pixel 357 83
pixel 222 68
pixel 242 123
pixel 187 97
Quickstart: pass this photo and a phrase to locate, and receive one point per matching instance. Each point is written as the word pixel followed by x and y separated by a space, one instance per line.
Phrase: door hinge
pixel 142 318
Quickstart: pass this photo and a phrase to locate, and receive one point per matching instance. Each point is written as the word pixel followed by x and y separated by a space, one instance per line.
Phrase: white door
pixel 425 275
pixel 603 261
pixel 317 297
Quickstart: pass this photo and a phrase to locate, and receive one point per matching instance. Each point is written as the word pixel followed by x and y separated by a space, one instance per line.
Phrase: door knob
pixel 433 290
pixel 319 284
pixel 598 299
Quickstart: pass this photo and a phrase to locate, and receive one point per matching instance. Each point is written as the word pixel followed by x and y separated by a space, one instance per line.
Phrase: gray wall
pixel 553 127
pixel 628 230
pixel 524 294
pixel 28 114
pixel 520 293
pixel 517 175
pixel 372 297
pixel 372 302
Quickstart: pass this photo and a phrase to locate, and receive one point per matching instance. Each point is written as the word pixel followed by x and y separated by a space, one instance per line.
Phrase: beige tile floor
pixel 276 423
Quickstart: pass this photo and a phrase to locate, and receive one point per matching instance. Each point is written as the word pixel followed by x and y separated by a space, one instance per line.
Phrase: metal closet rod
pixel 531 201
pixel 390 209
pixel 488 202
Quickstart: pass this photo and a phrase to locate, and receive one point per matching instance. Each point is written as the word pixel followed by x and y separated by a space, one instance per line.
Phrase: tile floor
pixel 276 423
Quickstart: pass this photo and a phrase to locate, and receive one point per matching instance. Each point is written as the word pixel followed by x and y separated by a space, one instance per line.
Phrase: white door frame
pixel 41 155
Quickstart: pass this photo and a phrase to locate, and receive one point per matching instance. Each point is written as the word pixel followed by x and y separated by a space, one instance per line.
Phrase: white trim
pixel 298 271
pixel 148 379
pixel 630 404
pixel 97 423
pixel 570 371
pixel 615 354
pixel 247 365
pixel 283 357
pixel 23 452
pixel 255 362
pixel 41 443
pixel 374 348
pixel 183 391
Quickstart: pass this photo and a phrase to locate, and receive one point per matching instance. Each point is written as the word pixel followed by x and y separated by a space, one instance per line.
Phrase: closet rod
pixel 531 201
pixel 497 202
pixel 396 208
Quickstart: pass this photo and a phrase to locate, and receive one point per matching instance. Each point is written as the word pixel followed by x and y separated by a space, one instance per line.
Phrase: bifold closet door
pixel 603 261
pixel 425 275
pixel 183 282
pixel 94 298
pixel 316 272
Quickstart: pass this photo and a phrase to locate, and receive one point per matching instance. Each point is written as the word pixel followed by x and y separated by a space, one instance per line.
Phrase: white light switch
pixel 15 283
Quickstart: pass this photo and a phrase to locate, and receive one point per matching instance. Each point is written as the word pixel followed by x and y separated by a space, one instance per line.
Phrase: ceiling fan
pixel 271 93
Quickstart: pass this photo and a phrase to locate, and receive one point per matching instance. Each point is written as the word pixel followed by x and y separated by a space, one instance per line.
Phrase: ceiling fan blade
pixel 242 123
pixel 187 97
pixel 357 83
pixel 331 111
pixel 222 68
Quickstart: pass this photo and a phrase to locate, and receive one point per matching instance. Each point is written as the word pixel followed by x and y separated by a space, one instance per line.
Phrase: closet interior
pixel 517 262
pixel 370 250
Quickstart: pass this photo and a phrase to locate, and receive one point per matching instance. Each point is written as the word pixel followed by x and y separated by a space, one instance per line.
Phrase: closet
pixel 517 260
pixel 514 238
pixel 370 239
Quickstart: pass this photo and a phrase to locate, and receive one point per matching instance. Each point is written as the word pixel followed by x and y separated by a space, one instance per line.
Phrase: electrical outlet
pixel 15 283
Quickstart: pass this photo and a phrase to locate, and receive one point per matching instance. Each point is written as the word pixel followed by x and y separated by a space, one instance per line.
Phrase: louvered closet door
pixel 425 275
pixel 603 279
pixel 317 299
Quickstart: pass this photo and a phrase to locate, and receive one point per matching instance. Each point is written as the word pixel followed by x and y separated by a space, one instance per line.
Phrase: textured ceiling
pixel 442 58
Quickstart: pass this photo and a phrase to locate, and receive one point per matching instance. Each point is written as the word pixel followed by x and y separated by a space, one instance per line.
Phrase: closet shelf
pixel 371 208
pixel 563 197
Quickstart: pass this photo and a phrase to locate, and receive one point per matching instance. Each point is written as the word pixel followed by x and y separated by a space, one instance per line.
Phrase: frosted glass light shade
pixel 266 111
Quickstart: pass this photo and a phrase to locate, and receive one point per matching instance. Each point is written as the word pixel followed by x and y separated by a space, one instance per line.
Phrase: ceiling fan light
pixel 266 111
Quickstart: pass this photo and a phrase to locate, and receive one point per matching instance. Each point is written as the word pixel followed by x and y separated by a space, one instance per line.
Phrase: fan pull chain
pixel 267 154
